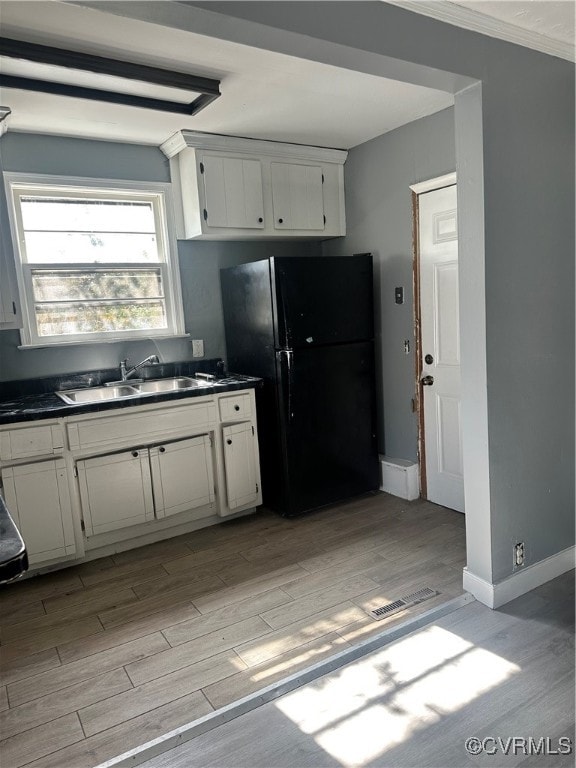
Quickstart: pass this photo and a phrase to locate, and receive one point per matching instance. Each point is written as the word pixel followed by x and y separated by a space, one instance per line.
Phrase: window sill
pixel 102 341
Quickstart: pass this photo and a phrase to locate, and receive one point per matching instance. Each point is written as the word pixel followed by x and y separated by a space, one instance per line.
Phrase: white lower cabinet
pixel 172 467
pixel 183 477
pixel 240 465
pixel 38 496
pixel 115 491
pixel 124 489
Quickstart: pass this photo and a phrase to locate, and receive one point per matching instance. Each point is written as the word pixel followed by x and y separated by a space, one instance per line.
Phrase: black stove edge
pixel 13 555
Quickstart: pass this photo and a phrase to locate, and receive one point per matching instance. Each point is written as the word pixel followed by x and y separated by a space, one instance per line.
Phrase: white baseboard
pixel 399 477
pixel 525 579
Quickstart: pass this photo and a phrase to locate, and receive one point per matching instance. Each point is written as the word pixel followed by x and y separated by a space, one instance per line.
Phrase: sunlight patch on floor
pixel 372 705
pixel 304 656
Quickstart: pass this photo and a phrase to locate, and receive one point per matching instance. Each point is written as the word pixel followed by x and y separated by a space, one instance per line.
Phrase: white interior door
pixel 440 331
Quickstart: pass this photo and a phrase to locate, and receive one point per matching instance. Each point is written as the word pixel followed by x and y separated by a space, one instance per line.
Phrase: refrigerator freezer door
pixel 248 319
pixel 322 300
pixel 327 420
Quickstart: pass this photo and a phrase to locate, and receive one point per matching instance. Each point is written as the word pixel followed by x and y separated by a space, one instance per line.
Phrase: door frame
pixel 431 185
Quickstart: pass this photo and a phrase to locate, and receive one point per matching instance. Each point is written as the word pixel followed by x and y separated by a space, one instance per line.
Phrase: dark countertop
pixel 13 557
pixel 42 403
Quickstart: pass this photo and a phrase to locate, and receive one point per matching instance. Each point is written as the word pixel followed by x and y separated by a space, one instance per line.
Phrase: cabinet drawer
pixel 31 441
pixel 235 407
pixel 144 427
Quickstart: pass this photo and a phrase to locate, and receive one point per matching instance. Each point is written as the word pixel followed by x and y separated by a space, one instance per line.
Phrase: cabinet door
pixel 233 192
pixel 115 491
pixel 183 476
pixel 10 316
pixel 38 497
pixel 240 465
pixel 297 196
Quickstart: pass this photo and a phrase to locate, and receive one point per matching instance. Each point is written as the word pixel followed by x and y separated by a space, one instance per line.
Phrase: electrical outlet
pixel 519 554
pixel 197 348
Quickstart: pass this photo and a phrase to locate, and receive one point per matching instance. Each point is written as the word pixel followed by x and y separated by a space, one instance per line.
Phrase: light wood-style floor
pixel 102 657
pixel 499 678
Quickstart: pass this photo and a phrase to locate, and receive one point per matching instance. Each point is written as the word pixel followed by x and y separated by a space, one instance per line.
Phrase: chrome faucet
pixel 125 373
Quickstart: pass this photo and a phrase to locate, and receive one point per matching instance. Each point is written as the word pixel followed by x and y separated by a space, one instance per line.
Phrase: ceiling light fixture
pixel 114 79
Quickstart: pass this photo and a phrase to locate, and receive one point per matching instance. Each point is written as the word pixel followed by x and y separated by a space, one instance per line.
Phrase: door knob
pixel 427 381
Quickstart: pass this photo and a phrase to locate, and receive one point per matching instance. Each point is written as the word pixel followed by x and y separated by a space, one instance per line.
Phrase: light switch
pixel 399 295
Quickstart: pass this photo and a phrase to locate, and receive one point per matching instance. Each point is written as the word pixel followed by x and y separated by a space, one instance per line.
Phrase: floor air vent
pixel 402 603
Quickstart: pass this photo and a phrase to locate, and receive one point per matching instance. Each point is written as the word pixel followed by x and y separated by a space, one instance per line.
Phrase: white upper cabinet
pixel 233 192
pixel 297 196
pixel 243 189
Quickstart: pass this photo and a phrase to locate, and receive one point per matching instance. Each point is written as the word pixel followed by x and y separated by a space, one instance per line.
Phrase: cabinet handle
pixel 229 442
pixel 135 454
pixel 236 407
pixel 280 221
pixel 162 449
pixel 260 220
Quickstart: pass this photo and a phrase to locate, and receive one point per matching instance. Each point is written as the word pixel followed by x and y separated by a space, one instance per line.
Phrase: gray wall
pixel 379 219
pixel 200 262
pixel 528 126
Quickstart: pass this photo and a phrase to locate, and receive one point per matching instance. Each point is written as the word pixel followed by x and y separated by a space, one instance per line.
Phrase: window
pixel 96 261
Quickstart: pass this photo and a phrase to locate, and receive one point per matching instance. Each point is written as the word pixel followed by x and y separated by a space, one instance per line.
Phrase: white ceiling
pixel 265 95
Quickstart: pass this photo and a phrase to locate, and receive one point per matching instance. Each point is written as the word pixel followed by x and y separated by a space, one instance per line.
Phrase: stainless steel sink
pixel 96 394
pixel 169 385
pixel 121 391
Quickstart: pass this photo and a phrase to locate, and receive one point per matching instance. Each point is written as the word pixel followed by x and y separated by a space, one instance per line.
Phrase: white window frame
pixel 159 193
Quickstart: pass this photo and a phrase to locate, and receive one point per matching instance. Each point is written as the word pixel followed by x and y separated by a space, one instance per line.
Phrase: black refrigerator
pixel 305 324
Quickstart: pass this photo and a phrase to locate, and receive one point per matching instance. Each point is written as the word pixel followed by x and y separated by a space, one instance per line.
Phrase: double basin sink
pixel 122 390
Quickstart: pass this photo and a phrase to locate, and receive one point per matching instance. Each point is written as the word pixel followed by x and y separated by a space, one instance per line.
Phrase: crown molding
pixel 261 147
pixel 460 16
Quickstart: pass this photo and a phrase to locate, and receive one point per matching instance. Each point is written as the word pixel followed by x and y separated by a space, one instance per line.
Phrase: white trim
pixel 399 477
pixel 90 342
pixel 216 142
pixel 473 366
pixel 438 183
pixel 467 18
pixel 524 580
pixel 163 202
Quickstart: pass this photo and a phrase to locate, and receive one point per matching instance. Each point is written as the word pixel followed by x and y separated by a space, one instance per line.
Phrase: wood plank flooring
pixel 102 657
pixel 490 675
